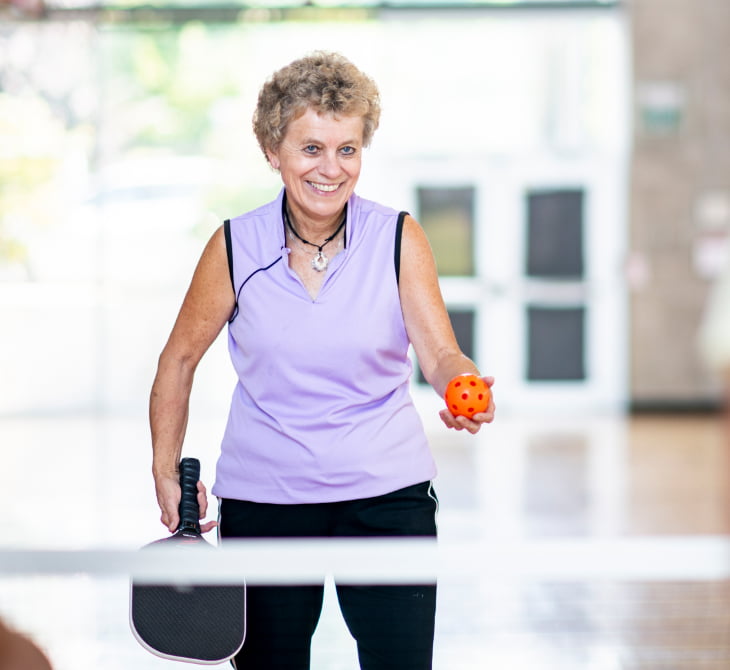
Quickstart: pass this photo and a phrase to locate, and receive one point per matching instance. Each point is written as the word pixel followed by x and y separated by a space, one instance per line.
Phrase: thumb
pixel 171 519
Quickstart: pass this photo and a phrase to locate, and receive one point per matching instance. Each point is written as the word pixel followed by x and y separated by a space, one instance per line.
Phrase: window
pixel 555 234
pixel 447 217
pixel 555 343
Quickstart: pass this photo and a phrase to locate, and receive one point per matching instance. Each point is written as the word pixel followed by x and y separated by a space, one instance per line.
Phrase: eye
pixel 348 151
pixel 311 149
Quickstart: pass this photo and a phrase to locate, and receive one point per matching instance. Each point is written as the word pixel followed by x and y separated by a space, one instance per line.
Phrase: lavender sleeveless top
pixel 321 411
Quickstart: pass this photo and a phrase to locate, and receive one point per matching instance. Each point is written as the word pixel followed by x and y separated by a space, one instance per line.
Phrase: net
pixel 588 605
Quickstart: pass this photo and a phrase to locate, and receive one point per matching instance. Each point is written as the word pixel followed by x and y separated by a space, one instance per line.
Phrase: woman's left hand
pixel 475 423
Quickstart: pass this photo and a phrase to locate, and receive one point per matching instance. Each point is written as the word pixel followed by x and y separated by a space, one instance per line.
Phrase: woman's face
pixel 319 161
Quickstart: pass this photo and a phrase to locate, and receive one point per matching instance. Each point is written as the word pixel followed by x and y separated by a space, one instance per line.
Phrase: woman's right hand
pixel 167 489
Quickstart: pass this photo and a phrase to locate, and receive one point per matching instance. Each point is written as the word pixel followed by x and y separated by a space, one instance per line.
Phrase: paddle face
pixel 195 623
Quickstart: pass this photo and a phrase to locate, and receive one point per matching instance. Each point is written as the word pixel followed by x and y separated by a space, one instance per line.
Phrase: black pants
pixel 393 625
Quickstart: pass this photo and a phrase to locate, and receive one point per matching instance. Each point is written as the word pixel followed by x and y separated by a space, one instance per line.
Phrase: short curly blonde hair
pixel 323 81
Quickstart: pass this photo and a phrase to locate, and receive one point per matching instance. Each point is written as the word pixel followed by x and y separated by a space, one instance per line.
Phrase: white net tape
pixel 394 561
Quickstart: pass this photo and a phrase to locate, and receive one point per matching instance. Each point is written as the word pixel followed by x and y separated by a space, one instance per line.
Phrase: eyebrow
pixel 313 140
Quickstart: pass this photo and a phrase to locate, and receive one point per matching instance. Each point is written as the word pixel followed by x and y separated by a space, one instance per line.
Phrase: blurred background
pixel 570 162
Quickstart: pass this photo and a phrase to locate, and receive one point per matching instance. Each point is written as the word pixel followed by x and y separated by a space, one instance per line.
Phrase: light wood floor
pixel 645 477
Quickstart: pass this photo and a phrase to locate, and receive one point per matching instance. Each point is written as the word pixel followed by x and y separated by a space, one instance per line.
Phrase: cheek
pixel 294 165
pixel 353 168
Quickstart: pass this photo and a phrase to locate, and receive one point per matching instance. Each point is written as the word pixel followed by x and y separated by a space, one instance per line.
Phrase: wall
pixel 679 192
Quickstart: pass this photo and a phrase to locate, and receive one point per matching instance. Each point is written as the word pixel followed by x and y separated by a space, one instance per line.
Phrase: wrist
pixel 164 471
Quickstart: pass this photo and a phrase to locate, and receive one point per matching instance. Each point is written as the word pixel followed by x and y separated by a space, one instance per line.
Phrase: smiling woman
pixel 319 160
pixel 324 292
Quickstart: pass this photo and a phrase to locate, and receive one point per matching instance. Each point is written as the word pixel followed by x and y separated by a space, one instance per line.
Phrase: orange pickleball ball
pixel 467 395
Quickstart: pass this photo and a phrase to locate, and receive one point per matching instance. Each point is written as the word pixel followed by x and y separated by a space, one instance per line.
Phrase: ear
pixel 273 159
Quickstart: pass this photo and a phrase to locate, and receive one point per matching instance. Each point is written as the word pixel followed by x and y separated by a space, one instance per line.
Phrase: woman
pixel 323 292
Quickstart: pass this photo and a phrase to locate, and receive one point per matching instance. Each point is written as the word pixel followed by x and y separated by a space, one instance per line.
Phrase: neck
pixel 317 244
pixel 315 233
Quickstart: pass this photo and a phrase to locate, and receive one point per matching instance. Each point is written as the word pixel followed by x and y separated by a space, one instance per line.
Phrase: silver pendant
pixel 320 262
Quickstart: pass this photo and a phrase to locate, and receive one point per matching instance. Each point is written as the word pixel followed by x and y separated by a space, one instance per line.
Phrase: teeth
pixel 324 187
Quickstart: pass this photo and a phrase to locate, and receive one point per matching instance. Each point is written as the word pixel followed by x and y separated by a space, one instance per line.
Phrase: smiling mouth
pixel 325 188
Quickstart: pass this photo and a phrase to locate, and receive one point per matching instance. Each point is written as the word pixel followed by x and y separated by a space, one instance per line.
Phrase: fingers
pixel 474 424
pixel 171 522
pixel 202 499
pixel 203 504
pixel 168 498
pixel 207 527
pixel 488 416
pixel 170 518
pixel 459 422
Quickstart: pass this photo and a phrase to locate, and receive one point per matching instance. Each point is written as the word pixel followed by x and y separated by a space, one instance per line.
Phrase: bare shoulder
pixel 216 248
pixel 417 260
pixel 414 235
pixel 212 270
pixel 208 303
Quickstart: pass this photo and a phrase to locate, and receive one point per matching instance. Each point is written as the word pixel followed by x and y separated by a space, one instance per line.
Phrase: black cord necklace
pixel 320 260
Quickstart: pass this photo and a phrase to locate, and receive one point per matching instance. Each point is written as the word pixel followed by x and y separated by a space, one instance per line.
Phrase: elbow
pixel 177 363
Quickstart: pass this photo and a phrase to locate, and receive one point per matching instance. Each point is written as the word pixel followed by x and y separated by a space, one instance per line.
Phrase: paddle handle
pixel 189 509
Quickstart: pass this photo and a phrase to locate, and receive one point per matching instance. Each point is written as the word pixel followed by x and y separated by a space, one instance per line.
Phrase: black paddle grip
pixel 189 509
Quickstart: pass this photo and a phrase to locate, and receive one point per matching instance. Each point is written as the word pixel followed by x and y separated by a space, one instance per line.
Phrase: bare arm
pixel 428 324
pixel 205 310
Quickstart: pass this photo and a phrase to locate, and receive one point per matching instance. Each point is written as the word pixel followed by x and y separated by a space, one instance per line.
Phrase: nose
pixel 330 165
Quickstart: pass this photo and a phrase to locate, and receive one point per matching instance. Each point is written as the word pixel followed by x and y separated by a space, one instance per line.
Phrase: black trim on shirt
pixel 398 238
pixel 229 254
pixel 229 250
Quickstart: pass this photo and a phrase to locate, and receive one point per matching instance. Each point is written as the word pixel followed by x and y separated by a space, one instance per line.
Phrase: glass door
pixel 530 259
